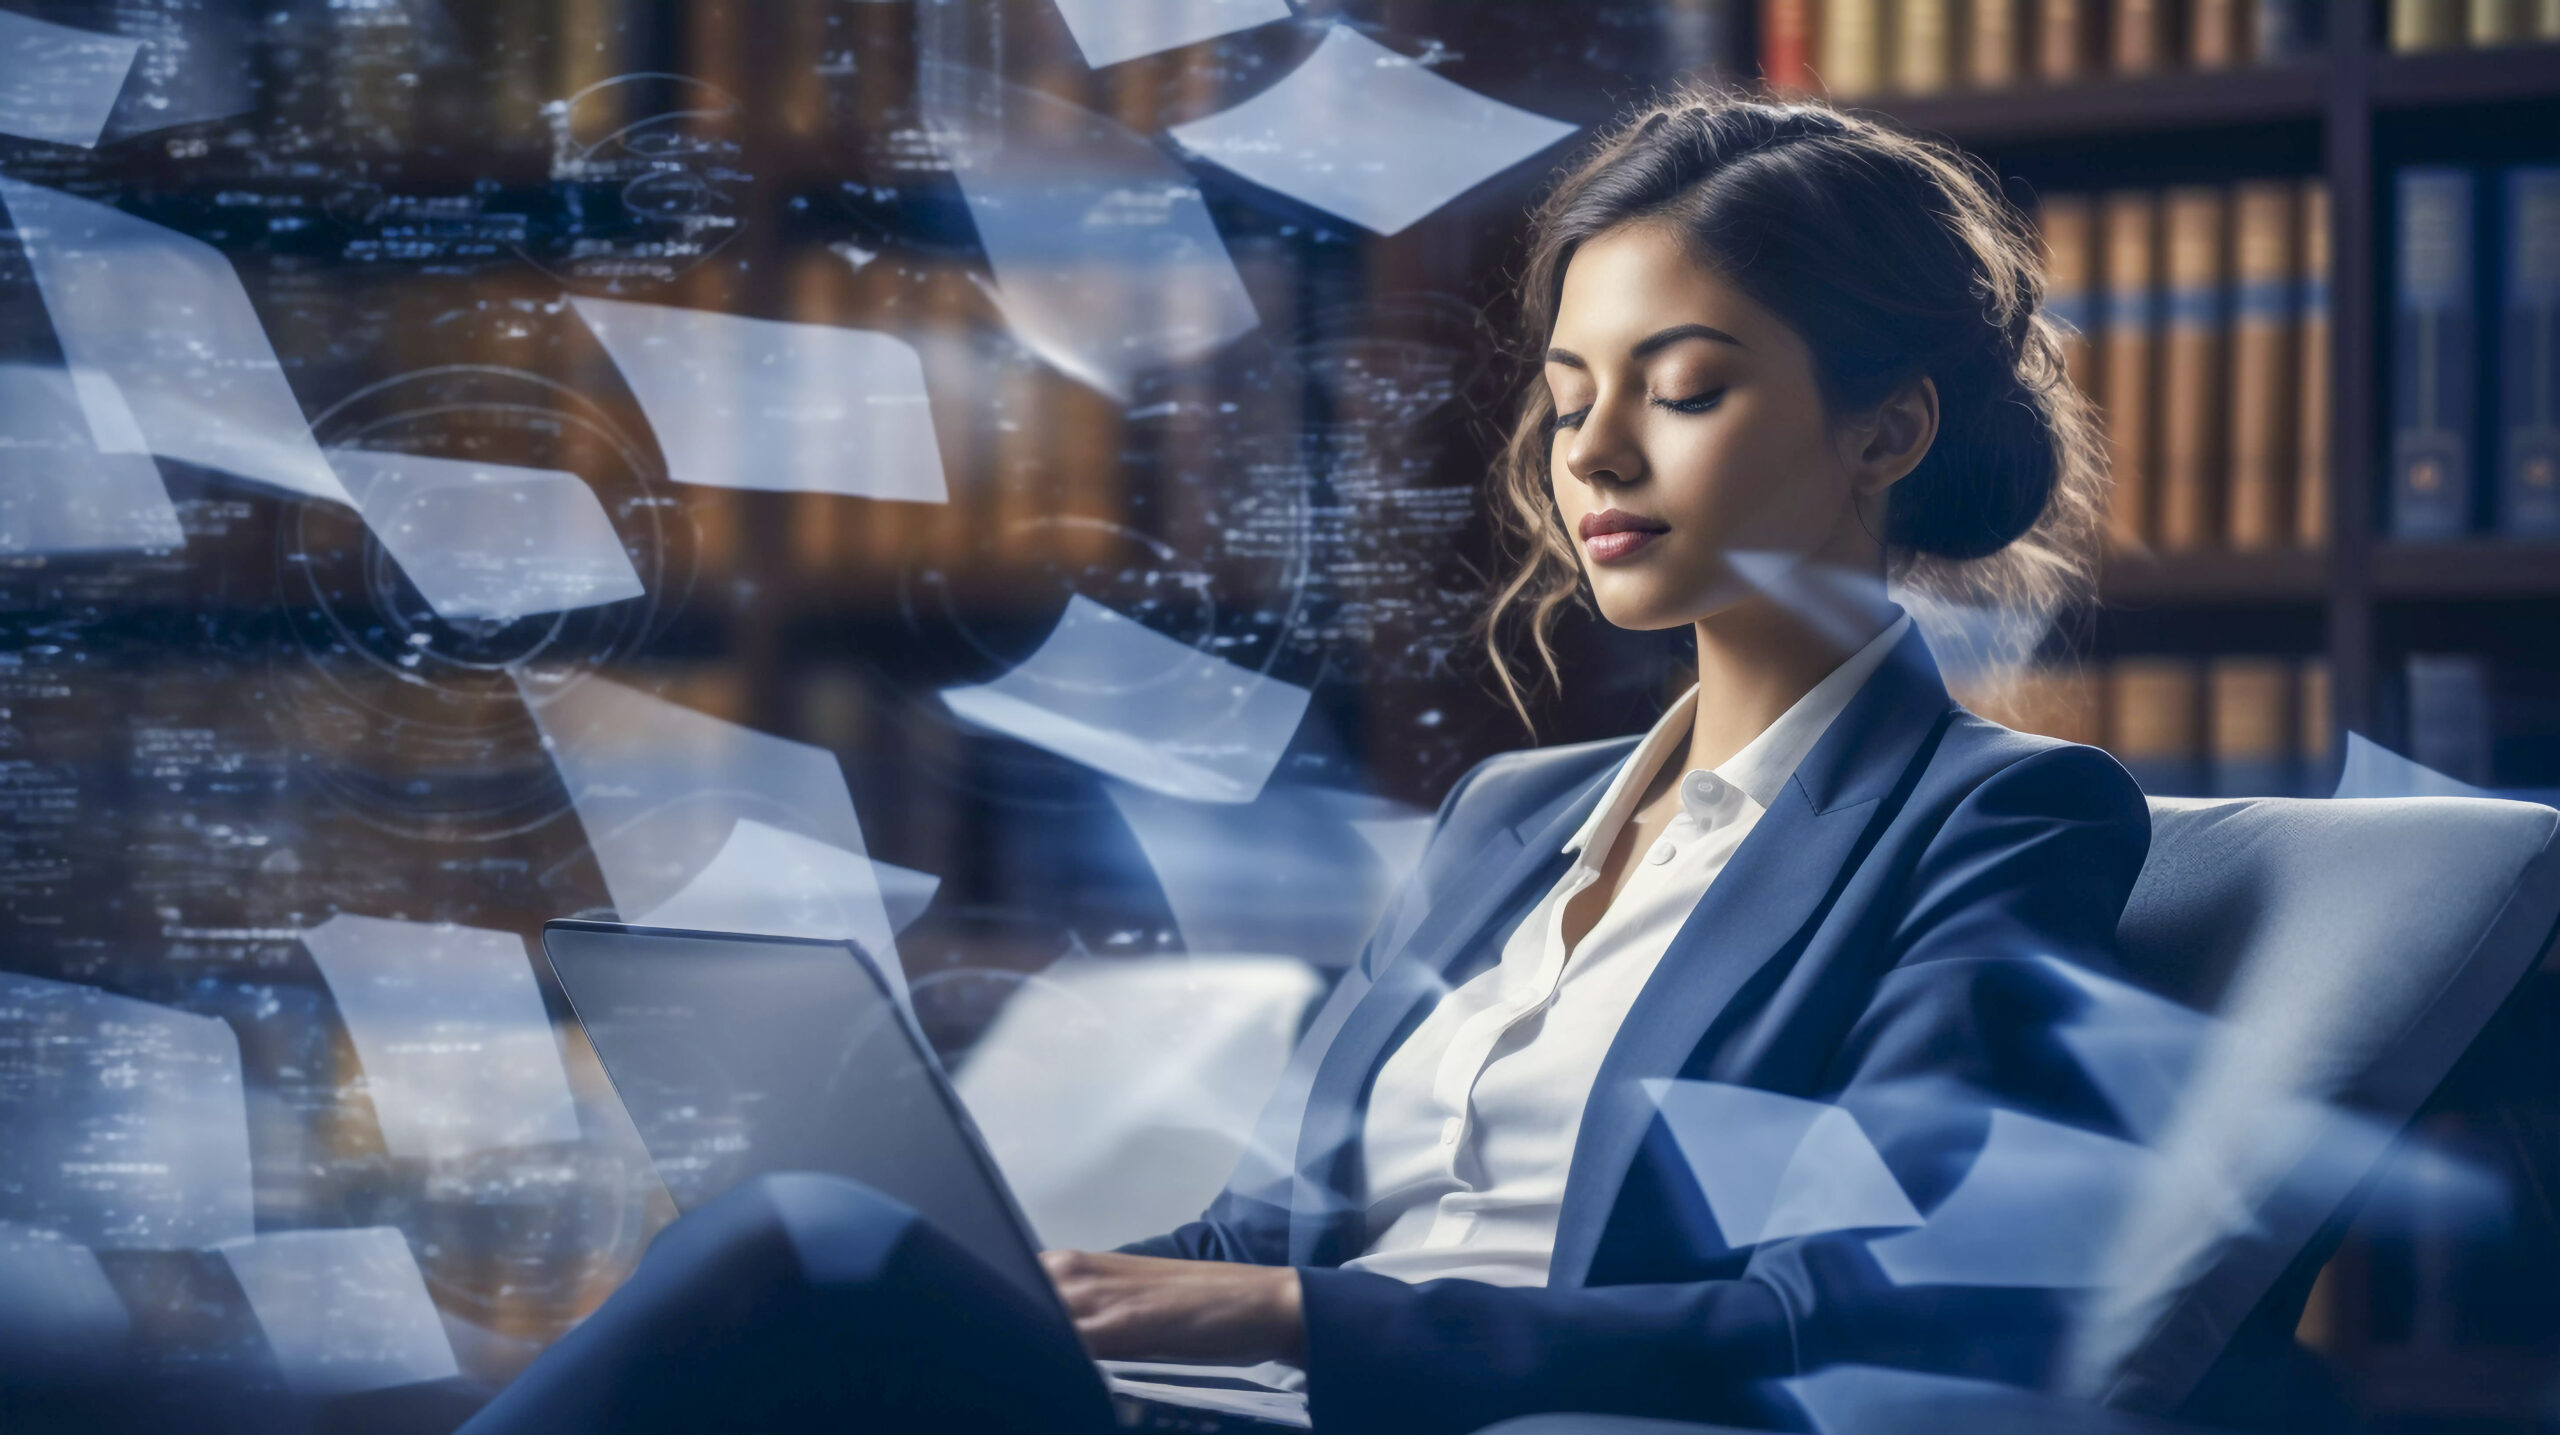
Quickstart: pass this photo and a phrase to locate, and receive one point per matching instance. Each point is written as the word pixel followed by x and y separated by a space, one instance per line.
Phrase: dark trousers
pixel 802 1302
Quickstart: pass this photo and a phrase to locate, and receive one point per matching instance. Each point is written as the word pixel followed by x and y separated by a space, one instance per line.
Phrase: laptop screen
pixel 739 1055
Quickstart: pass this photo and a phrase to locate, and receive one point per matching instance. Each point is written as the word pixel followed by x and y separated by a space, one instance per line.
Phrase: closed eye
pixel 1695 405
pixel 1566 421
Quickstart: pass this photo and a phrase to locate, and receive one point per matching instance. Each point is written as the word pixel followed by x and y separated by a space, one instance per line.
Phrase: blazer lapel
pixel 1526 851
pixel 1777 882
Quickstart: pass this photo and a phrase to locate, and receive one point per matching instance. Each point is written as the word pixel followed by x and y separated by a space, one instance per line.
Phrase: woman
pixel 1785 355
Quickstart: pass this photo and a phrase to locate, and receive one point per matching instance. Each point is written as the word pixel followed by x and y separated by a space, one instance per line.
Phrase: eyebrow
pixel 1653 343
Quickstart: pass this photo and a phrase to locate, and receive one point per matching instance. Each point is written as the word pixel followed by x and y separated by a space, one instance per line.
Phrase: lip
pixel 1614 534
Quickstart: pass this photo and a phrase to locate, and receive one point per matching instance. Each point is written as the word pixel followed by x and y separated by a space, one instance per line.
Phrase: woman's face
pixel 1689 419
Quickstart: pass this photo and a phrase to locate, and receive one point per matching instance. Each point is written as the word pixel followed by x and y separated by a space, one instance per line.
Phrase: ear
pixel 1885 445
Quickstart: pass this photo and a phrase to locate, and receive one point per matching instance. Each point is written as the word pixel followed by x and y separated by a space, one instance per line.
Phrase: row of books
pixel 2475 353
pixel 2419 25
pixel 1854 48
pixel 2233 725
pixel 2202 319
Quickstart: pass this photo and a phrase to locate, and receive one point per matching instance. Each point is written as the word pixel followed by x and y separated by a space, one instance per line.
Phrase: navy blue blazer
pixel 1875 936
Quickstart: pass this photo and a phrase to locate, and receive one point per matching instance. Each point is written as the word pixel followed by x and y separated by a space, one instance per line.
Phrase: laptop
pixel 739 1055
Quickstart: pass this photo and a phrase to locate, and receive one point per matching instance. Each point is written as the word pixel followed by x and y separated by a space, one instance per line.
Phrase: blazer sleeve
pixel 1249 1220
pixel 2031 869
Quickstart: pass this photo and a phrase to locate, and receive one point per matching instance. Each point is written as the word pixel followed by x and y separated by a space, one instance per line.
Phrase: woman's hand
pixel 1149 1308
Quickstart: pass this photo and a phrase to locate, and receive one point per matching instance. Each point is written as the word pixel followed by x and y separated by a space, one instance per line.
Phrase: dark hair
pixel 1894 258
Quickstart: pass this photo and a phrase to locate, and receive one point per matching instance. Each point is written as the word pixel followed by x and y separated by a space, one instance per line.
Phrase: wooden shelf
pixel 2155 580
pixel 2478 568
pixel 2150 104
pixel 2467 77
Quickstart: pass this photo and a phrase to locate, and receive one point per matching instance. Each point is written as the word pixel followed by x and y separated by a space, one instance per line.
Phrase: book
pixel 2155 722
pixel 2066 231
pixel 2316 733
pixel 1698 36
pixel 2138 42
pixel 2449 719
pixel 2191 364
pixel 2052 700
pixel 2281 31
pixel 2431 361
pixel 1850 44
pixel 1924 46
pixel 2250 726
pixel 2528 413
pixel 2496 22
pixel 2063 35
pixel 2418 25
pixel 2311 370
pixel 2546 20
pixel 2213 34
pixel 1786 45
pixel 1991 43
pixel 2126 332
pixel 2257 465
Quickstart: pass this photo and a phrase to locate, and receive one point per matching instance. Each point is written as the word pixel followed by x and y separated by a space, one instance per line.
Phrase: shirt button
pixel 1705 786
pixel 1662 852
pixel 1450 1129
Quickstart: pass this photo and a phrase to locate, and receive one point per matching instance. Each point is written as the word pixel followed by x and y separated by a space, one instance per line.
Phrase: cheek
pixel 1755 473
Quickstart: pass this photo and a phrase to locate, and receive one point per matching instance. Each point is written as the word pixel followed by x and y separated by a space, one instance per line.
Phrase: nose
pixel 1602 451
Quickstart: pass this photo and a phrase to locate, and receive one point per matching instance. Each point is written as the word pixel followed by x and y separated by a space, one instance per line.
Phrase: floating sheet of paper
pixel 58 84
pixel 1116 1094
pixel 1290 873
pixel 163 318
pixel 489 540
pixel 1105 259
pixel 55 1303
pixel 776 882
pixel 458 1054
pixel 1131 703
pixel 1774 1166
pixel 343 1310
pixel 1109 31
pixel 2036 1209
pixel 2136 1047
pixel 664 792
pixel 122 1124
pixel 766 404
pixel 58 492
pixel 196 63
pixel 1361 131
pixel 2372 770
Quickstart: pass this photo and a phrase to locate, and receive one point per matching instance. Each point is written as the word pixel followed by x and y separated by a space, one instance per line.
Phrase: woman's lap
pixel 804 1301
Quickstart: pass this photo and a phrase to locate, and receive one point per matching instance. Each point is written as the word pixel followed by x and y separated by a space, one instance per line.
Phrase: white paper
pixel 489 540
pixel 58 84
pixel 775 882
pixel 2037 1208
pixel 666 795
pixel 125 1127
pixel 1116 1094
pixel 1772 1166
pixel 1110 31
pixel 55 1302
pixel 58 492
pixel 1106 263
pixel 2372 770
pixel 447 1021
pixel 343 1310
pixel 2137 1048
pixel 1364 132
pixel 767 404
pixel 1294 872
pixel 1125 700
pixel 163 317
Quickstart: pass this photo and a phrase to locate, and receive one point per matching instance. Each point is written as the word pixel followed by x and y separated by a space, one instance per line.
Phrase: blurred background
pixel 1002 480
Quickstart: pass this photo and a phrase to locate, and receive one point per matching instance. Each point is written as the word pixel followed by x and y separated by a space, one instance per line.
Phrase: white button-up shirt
pixel 1471 1123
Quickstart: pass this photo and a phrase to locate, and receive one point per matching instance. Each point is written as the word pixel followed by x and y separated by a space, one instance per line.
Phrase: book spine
pixel 2191 380
pixel 1991 44
pixel 2546 19
pixel 1699 36
pixel 2495 22
pixel 2066 229
pixel 2213 34
pixel 1786 45
pixel 2316 730
pixel 2529 353
pixel 2257 467
pixel 2250 726
pixel 2140 39
pixel 2062 39
pixel 2127 329
pixel 2280 31
pixel 2155 722
pixel 1851 45
pixel 2431 379
pixel 1924 46
pixel 2418 25
pixel 2449 719
pixel 2311 371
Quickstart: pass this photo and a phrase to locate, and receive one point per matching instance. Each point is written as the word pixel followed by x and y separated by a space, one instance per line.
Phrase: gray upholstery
pixel 2349 950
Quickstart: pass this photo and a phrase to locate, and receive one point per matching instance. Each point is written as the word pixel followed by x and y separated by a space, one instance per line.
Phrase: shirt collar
pixel 1765 763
